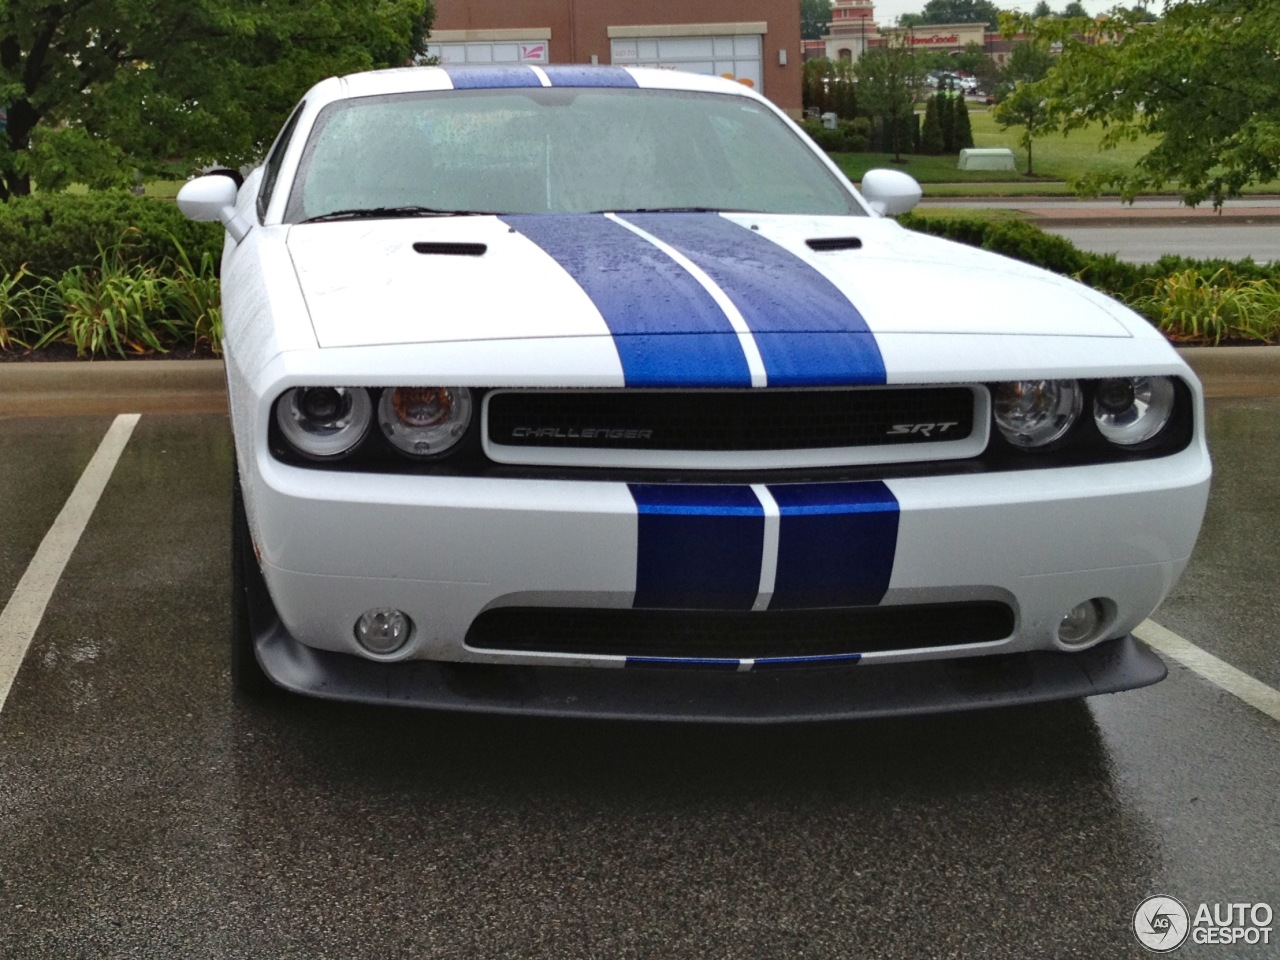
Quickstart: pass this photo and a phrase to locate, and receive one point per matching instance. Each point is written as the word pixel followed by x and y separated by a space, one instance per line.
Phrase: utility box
pixel 987 158
pixel 829 121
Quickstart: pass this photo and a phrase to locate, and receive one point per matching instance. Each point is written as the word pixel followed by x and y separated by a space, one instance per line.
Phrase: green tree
pixel 961 11
pixel 947 118
pixel 1202 81
pixel 96 89
pixel 1019 102
pixel 1025 107
pixel 1075 9
pixel 931 136
pixel 972 59
pixel 888 78
pixel 963 128
pixel 815 18
pixel 829 87
pixel 1028 62
pixel 1042 10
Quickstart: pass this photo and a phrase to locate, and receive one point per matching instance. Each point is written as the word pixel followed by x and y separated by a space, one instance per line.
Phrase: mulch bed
pixel 59 352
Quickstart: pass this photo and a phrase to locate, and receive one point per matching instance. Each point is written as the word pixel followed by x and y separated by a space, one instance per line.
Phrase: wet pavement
pixel 1146 243
pixel 146 813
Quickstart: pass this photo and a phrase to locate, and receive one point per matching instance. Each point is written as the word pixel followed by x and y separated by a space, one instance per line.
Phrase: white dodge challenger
pixel 600 391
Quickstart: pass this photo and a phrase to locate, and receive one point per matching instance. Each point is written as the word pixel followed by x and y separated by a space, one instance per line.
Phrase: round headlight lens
pixel 1035 413
pixel 1130 410
pixel 324 421
pixel 425 421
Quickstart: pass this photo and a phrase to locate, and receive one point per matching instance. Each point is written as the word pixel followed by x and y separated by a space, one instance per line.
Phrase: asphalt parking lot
pixel 145 813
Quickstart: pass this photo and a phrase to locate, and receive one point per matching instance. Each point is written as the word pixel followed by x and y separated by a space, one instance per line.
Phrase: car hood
pixel 435 280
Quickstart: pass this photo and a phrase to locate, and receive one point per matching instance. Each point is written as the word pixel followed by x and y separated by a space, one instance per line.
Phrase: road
pixel 1149 228
pixel 146 813
pixel 1148 243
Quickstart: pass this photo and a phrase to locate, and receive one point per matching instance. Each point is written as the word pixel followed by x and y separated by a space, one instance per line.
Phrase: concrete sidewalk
pixel 103 387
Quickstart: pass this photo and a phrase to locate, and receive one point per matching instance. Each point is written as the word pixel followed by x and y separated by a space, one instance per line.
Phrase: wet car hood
pixel 435 280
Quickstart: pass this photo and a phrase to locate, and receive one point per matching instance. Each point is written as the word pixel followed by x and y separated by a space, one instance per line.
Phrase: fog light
pixel 383 630
pixel 1082 622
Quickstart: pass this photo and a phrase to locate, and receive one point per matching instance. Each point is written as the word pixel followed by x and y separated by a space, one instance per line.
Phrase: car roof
pixel 418 79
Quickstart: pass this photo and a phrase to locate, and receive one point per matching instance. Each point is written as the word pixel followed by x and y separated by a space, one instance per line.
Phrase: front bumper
pixel 667 694
pixel 446 550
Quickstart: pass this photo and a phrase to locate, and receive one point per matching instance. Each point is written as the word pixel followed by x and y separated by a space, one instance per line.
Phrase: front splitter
pixel 823 693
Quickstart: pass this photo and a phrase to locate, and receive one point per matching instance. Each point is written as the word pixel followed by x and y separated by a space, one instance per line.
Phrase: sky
pixel 887 10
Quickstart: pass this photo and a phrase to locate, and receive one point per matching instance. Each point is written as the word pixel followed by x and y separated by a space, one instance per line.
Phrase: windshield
pixel 548 150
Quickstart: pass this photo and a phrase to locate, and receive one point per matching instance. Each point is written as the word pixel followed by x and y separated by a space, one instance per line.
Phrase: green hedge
pixel 849 136
pixel 52 233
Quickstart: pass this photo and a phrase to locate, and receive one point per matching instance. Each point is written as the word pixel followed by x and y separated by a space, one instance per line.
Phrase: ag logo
pixel 1161 924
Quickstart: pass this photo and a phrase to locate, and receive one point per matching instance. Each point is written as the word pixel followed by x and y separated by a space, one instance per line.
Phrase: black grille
pixel 739 634
pixel 730 420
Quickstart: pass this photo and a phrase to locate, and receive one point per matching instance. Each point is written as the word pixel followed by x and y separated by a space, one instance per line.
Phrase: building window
pixel 506 51
pixel 738 57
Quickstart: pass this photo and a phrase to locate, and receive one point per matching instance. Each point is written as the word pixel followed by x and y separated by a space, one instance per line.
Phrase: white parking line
pixel 1236 682
pixel 22 614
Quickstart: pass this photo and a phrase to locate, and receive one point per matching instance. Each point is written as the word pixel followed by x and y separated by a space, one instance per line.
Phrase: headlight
pixel 324 421
pixel 1130 410
pixel 1035 413
pixel 425 421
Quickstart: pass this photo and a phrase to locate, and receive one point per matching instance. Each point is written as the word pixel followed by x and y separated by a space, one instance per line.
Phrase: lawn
pixel 1058 159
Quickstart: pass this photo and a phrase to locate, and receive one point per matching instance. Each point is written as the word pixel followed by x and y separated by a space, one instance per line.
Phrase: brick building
pixel 756 42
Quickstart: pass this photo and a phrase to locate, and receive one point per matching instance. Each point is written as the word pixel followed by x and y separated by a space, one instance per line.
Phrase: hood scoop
pixel 451 249
pixel 830 244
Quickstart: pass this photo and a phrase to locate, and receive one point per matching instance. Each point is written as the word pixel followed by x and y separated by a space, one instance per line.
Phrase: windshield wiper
pixel 675 210
pixel 387 213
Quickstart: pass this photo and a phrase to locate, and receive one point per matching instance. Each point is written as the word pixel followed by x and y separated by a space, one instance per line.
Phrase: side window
pixel 271 170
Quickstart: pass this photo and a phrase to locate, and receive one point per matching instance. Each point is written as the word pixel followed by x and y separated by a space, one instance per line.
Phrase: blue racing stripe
pixel 836 544
pixel 491 78
pixel 808 332
pixel 772 663
pixel 667 329
pixel 569 75
pixel 700 547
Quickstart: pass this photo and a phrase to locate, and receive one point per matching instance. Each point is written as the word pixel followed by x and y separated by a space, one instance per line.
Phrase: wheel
pixel 247 590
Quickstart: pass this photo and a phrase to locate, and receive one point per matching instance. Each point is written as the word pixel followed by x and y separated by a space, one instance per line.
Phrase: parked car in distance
pixel 601 392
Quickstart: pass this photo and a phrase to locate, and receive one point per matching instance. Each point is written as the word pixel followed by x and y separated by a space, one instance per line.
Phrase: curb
pixel 1065 214
pixel 1052 222
pixel 101 387
pixel 1235 372
pixel 111 387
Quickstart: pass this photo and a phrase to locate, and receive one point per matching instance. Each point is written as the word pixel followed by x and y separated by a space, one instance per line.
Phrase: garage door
pixel 515 51
pixel 738 57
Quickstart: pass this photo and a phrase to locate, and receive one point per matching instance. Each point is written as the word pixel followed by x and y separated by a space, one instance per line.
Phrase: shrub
pixel 53 233
pixel 963 128
pixel 1027 242
pixel 1189 306
pixel 193 298
pixel 931 141
pixel 850 136
pixel 17 322
pixel 116 306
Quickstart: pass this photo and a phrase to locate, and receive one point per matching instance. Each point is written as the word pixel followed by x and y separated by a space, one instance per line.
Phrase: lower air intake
pixel 738 634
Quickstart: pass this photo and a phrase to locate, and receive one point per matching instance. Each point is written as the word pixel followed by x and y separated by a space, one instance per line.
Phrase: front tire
pixel 247 586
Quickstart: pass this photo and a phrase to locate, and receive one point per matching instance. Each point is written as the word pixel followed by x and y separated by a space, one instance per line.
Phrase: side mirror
pixel 890 192
pixel 210 199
